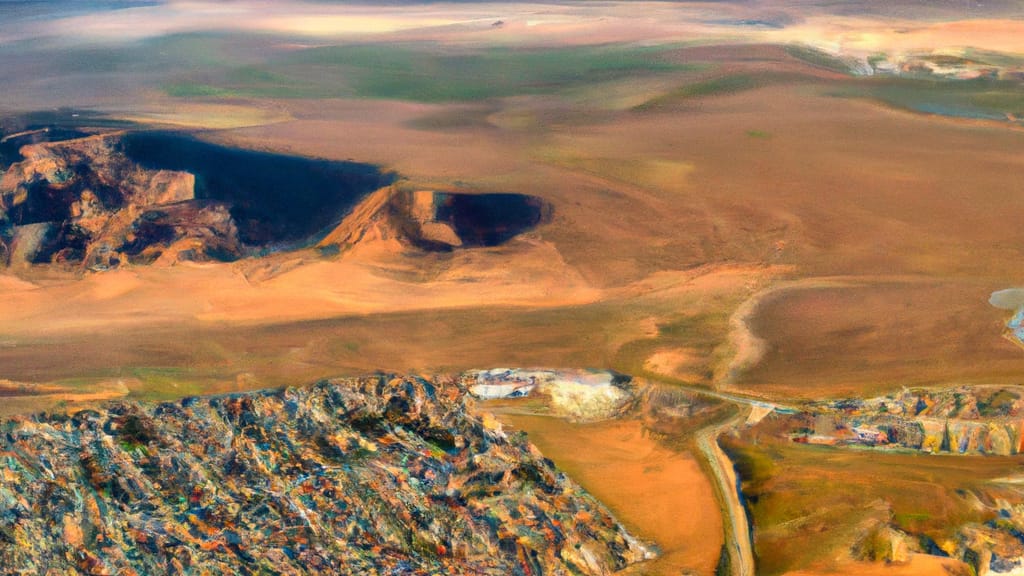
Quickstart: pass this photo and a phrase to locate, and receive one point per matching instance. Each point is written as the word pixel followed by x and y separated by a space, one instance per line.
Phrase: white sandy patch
pixel 581 401
pixel 580 395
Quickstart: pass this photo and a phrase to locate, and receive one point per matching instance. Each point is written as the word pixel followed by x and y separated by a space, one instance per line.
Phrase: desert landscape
pixel 694 287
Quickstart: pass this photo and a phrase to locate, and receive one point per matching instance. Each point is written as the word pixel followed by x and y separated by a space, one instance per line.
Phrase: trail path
pixel 739 543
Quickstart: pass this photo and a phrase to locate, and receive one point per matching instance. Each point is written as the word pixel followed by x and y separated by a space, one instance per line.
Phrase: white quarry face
pixel 581 395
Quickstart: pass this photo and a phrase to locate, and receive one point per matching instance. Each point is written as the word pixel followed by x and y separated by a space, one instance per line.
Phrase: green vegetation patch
pixel 173 53
pixel 819 58
pixel 982 98
pixel 875 59
pixel 166 383
pixel 710 87
pixel 723 85
pixel 460 118
pixel 999 404
pixel 193 90
pixel 993 58
pixel 430 73
pixel 910 520
pixel 719 86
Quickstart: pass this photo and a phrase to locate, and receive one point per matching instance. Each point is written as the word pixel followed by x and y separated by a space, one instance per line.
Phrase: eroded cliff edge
pixel 121 198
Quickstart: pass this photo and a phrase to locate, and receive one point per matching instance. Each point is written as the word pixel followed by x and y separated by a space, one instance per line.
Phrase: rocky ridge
pixel 382 474
pixel 84 200
pixel 961 420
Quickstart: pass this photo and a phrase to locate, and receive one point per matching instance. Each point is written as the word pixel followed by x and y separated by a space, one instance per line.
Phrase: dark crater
pixel 490 219
pixel 442 221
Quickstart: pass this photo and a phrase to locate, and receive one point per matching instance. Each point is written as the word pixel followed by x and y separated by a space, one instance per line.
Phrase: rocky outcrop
pixel 84 200
pixel 994 548
pixel 378 475
pixel 964 420
pixel 991 549
pixel 110 199
pixel 883 543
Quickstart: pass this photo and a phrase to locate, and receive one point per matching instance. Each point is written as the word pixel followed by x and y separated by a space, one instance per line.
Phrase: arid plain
pixel 740 204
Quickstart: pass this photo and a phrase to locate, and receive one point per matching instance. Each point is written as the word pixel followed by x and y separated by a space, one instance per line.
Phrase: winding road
pixel 738 538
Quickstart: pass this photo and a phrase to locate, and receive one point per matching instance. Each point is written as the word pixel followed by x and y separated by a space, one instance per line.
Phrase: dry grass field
pixel 862 339
pixel 810 503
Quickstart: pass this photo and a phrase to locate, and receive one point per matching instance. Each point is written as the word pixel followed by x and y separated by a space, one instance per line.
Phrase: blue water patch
pixel 956 111
pixel 28 10
pixel 749 23
pixel 1016 325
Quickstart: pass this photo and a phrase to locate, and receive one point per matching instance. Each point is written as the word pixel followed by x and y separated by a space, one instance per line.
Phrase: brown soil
pixel 661 494
pixel 873 336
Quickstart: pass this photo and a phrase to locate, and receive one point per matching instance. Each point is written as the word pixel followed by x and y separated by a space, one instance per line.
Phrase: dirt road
pixel 738 538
